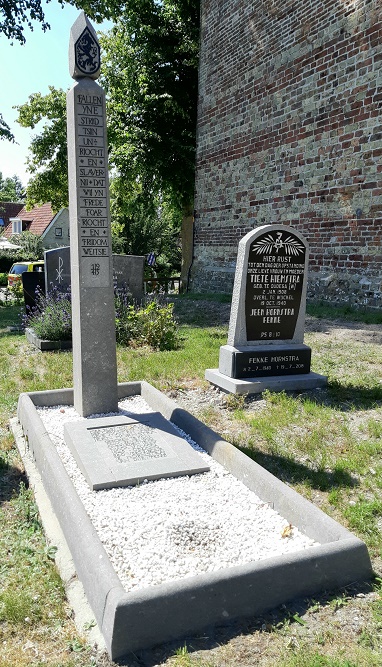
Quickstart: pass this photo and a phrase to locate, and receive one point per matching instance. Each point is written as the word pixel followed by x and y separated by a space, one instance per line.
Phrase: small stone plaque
pixel 125 451
pixel 271 362
pixel 133 442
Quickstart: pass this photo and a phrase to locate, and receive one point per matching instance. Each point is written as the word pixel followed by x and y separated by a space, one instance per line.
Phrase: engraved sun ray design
pixel 272 243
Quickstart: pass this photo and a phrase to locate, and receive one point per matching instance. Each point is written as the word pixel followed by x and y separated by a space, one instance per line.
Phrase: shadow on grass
pixel 11 479
pixel 346 397
pixel 291 472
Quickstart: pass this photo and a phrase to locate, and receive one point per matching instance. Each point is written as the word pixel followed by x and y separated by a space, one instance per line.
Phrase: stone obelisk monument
pixel 94 346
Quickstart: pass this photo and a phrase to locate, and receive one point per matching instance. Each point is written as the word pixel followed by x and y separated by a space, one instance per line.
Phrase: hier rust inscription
pixel 275 277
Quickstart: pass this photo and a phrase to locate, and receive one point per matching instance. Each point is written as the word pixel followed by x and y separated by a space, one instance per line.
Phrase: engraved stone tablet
pixel 125 451
pixel 275 277
pixel 268 301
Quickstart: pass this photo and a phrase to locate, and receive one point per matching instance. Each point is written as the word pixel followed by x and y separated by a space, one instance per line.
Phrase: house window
pixel 58 231
pixel 17 227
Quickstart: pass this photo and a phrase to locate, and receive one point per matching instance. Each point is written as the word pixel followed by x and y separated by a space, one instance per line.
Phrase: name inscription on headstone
pixel 93 195
pixel 272 362
pixel 275 277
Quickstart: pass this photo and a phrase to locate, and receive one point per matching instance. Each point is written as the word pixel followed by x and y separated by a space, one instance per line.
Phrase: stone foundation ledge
pixel 45 345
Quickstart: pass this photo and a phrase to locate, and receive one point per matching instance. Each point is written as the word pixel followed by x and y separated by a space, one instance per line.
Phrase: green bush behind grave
pixel 152 324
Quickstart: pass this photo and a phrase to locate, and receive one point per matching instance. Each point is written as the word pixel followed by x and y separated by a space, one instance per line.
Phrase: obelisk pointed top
pixel 84 51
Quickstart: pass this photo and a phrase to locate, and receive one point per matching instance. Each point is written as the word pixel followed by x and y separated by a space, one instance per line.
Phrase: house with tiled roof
pixel 52 227
pixel 8 210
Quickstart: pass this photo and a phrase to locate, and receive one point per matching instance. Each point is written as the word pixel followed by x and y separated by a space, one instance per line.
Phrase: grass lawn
pixel 327 444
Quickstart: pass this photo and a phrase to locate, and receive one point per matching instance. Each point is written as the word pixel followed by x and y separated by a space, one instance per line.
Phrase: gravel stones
pixel 176 527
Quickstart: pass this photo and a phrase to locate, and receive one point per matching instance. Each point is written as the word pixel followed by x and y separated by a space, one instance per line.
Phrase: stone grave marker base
pixel 257 385
pixel 145 617
pixel 121 451
pixel 45 345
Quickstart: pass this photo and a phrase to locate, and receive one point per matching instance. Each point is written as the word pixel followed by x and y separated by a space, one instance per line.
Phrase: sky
pixel 31 68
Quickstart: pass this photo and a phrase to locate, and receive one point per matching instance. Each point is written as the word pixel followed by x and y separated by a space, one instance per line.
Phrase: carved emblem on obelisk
pixel 87 53
pixel 84 50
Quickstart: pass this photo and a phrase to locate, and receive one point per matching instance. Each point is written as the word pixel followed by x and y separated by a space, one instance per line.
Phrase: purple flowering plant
pixel 151 323
pixel 51 317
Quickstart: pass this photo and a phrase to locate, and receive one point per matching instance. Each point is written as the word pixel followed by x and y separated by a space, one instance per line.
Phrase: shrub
pixel 152 325
pixel 3 279
pixel 51 318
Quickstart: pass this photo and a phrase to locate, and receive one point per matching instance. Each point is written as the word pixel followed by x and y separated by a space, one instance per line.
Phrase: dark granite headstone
pixel 266 331
pixel 127 272
pixel 57 269
pixel 32 281
pixel 275 278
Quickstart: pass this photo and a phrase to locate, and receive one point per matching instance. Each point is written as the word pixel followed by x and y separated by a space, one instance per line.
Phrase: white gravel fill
pixel 177 527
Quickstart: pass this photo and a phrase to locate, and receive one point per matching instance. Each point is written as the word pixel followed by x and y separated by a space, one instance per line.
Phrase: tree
pixel 15 13
pixel 11 189
pixel 149 72
pixel 47 160
pixel 5 131
pixel 31 246
pixel 144 223
pixel 150 63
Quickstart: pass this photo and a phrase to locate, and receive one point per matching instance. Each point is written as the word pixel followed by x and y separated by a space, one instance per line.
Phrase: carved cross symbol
pixel 278 243
pixel 60 269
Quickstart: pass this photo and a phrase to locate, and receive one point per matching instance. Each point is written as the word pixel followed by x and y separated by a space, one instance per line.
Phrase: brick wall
pixel 290 131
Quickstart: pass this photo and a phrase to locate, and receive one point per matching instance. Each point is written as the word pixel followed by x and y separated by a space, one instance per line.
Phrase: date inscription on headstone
pixel 271 362
pixel 275 277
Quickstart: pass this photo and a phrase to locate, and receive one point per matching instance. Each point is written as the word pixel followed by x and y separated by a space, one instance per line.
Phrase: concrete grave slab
pixel 144 617
pixel 123 451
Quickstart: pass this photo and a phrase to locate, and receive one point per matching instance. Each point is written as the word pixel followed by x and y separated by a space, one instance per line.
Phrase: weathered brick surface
pixel 290 131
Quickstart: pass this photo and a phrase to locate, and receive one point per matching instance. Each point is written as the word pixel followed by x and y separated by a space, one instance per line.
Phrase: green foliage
pixel 152 325
pixel 150 70
pixel 47 161
pixel 31 246
pixel 3 279
pixel 5 132
pixel 14 14
pixel 16 293
pixel 144 222
pixel 11 189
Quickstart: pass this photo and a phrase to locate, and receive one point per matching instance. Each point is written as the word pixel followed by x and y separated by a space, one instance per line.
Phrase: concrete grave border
pixel 142 618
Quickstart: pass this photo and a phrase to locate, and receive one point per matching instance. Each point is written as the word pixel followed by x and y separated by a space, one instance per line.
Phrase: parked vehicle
pixel 14 275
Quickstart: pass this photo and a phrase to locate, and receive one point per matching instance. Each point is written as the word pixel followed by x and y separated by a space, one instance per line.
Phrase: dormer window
pixel 17 225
